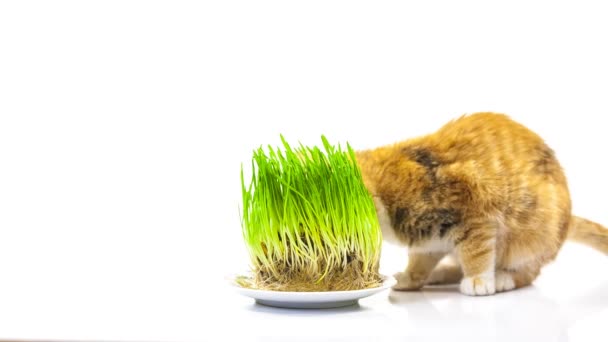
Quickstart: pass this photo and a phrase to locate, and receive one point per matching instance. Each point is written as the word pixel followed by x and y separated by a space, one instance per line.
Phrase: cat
pixel 483 190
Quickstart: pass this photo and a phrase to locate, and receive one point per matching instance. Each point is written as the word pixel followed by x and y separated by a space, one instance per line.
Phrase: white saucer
pixel 312 300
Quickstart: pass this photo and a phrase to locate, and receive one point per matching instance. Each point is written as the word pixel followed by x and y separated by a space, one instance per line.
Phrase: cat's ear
pixel 473 186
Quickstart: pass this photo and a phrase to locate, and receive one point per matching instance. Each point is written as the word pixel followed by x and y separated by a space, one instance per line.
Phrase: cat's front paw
pixel 407 282
pixel 480 285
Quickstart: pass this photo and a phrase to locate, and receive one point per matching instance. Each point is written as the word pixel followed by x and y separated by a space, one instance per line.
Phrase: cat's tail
pixel 589 233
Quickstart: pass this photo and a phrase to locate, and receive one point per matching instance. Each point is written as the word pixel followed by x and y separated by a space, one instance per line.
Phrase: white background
pixel 123 126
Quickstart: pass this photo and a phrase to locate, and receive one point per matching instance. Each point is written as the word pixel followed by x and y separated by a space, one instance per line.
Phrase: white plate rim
pixel 313 296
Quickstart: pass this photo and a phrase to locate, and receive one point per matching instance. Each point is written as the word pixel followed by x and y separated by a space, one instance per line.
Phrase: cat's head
pixel 418 195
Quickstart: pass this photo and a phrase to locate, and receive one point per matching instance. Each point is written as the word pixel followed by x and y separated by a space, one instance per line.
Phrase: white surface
pixel 556 309
pixel 312 300
pixel 123 125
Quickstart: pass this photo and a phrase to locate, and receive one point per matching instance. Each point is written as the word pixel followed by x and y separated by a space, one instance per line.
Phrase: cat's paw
pixel 480 285
pixel 504 281
pixel 407 282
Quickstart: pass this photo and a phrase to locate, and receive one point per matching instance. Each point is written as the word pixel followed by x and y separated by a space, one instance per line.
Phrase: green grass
pixel 308 221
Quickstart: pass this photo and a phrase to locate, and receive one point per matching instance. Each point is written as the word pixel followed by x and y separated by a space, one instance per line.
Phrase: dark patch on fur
pixel 427 232
pixel 448 218
pixel 400 215
pixel 444 228
pixel 425 219
pixel 425 158
pixel 444 219
pixel 422 156
pixel 427 193
pixel 421 228
pixel 546 164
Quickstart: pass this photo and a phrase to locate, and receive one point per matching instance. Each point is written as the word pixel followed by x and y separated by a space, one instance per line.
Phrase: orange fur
pixel 482 188
pixel 589 233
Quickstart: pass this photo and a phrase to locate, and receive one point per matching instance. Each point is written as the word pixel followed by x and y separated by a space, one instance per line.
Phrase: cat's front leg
pixel 419 267
pixel 477 254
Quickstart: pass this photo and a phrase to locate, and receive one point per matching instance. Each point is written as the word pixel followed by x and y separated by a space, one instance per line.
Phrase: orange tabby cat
pixel 483 189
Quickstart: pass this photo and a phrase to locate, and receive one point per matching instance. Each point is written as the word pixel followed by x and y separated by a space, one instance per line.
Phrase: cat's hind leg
pixel 447 272
pixel 509 279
